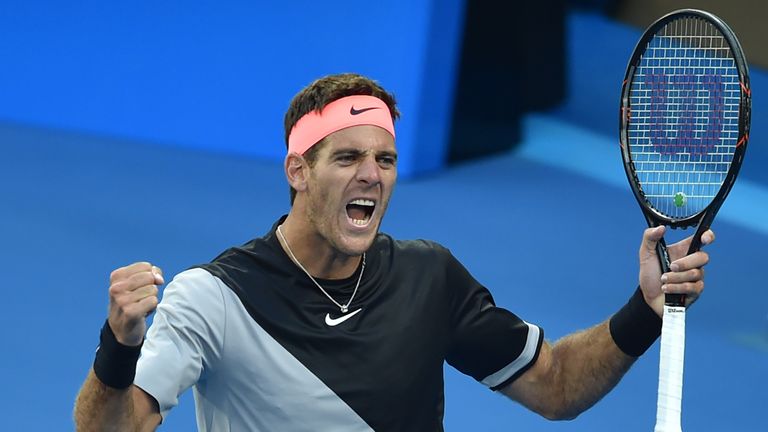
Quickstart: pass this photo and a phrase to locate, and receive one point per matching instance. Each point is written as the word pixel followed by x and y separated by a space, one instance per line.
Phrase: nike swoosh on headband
pixel 336 321
pixel 354 111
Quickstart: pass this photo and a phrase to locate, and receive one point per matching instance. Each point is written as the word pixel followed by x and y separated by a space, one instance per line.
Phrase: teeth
pixel 363 202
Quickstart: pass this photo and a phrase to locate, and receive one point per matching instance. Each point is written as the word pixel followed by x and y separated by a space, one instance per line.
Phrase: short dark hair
pixel 325 90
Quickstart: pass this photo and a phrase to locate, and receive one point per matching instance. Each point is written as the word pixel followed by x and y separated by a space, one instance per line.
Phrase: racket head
pixel 684 117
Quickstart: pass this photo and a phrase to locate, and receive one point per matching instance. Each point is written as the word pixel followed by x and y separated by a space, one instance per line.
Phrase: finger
pixel 651 237
pixel 692 261
pixel 681 248
pixel 691 275
pixel 708 237
pixel 127 297
pixel 692 289
pixel 138 280
pixel 127 271
pixel 149 304
pixel 158 272
pixel 135 281
pixel 141 293
pixel 135 305
pixel 141 308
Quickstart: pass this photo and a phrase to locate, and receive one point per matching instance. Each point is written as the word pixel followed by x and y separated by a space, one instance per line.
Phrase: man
pixel 326 324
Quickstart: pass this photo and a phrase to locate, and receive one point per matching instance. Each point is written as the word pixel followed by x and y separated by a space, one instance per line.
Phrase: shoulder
pixel 413 246
pixel 239 264
pixel 196 278
pixel 195 286
pixel 253 248
pixel 414 253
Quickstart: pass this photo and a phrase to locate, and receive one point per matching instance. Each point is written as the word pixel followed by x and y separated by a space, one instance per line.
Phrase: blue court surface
pixel 551 228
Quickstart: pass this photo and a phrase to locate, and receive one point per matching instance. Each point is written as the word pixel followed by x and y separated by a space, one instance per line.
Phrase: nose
pixel 369 171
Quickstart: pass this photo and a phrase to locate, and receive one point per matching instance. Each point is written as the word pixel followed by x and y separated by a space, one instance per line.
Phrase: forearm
pixel 102 408
pixel 571 375
pixel 108 400
pixel 587 365
pixel 580 369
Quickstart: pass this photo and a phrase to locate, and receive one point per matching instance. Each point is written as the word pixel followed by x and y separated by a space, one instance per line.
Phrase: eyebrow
pixel 357 152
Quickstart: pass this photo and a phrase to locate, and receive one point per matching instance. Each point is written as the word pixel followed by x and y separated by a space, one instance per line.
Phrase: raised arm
pixel 578 370
pixel 108 401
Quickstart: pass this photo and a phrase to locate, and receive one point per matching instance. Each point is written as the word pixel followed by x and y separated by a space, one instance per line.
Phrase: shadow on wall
pixel 740 16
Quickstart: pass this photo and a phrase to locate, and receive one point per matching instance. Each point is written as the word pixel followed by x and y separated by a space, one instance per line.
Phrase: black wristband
pixel 115 363
pixel 635 327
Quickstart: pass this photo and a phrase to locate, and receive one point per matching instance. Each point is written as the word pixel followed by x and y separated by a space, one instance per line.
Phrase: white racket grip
pixel 669 403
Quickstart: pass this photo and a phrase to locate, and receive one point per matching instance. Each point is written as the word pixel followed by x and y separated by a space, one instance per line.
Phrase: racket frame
pixel 669 405
pixel 704 217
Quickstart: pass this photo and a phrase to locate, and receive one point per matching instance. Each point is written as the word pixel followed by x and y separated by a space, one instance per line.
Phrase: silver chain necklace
pixel 344 307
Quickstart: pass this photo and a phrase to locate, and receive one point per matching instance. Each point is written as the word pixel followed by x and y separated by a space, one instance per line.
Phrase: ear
pixel 296 171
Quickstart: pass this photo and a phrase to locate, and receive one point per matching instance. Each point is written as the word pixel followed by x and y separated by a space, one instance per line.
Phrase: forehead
pixel 362 137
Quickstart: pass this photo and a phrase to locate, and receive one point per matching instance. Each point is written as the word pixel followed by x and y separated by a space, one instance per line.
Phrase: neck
pixel 314 253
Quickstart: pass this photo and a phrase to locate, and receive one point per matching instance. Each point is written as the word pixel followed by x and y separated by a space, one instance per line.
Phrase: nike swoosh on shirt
pixel 336 321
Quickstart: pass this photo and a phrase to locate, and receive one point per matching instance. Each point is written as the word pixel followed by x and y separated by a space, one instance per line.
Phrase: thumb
pixel 651 237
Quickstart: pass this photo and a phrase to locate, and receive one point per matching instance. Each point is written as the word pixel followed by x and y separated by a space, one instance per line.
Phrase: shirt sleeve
pixel 489 343
pixel 185 338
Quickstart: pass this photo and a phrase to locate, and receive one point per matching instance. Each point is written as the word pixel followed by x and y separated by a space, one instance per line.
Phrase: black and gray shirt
pixel 266 351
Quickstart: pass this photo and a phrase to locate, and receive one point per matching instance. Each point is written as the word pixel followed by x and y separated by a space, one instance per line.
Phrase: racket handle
pixel 661 251
pixel 670 395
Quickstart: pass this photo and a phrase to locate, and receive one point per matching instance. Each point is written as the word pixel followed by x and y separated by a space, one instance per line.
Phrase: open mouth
pixel 359 211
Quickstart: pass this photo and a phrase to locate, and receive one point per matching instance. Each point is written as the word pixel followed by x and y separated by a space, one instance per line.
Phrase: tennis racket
pixel 684 127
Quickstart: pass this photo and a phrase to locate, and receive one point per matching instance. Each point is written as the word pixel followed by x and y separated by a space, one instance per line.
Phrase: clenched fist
pixel 132 297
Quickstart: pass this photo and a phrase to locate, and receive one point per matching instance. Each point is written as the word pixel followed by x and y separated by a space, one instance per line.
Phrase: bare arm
pixel 99 407
pixel 571 375
pixel 578 370
pixel 102 408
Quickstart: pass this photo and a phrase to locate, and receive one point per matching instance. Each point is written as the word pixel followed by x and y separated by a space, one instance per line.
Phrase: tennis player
pixel 326 324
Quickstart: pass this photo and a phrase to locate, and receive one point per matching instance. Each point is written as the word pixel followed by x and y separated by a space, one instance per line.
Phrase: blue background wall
pixel 105 161
pixel 220 75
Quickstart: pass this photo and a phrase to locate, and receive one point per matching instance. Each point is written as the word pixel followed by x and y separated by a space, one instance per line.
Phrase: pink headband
pixel 337 115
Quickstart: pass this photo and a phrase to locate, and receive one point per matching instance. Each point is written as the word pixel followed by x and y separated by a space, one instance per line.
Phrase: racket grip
pixel 661 252
pixel 670 395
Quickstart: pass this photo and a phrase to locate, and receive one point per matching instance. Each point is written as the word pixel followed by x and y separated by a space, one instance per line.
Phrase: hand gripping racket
pixel 684 127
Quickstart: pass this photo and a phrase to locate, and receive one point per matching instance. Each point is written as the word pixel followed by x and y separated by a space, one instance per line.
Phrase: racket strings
pixel 684 124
